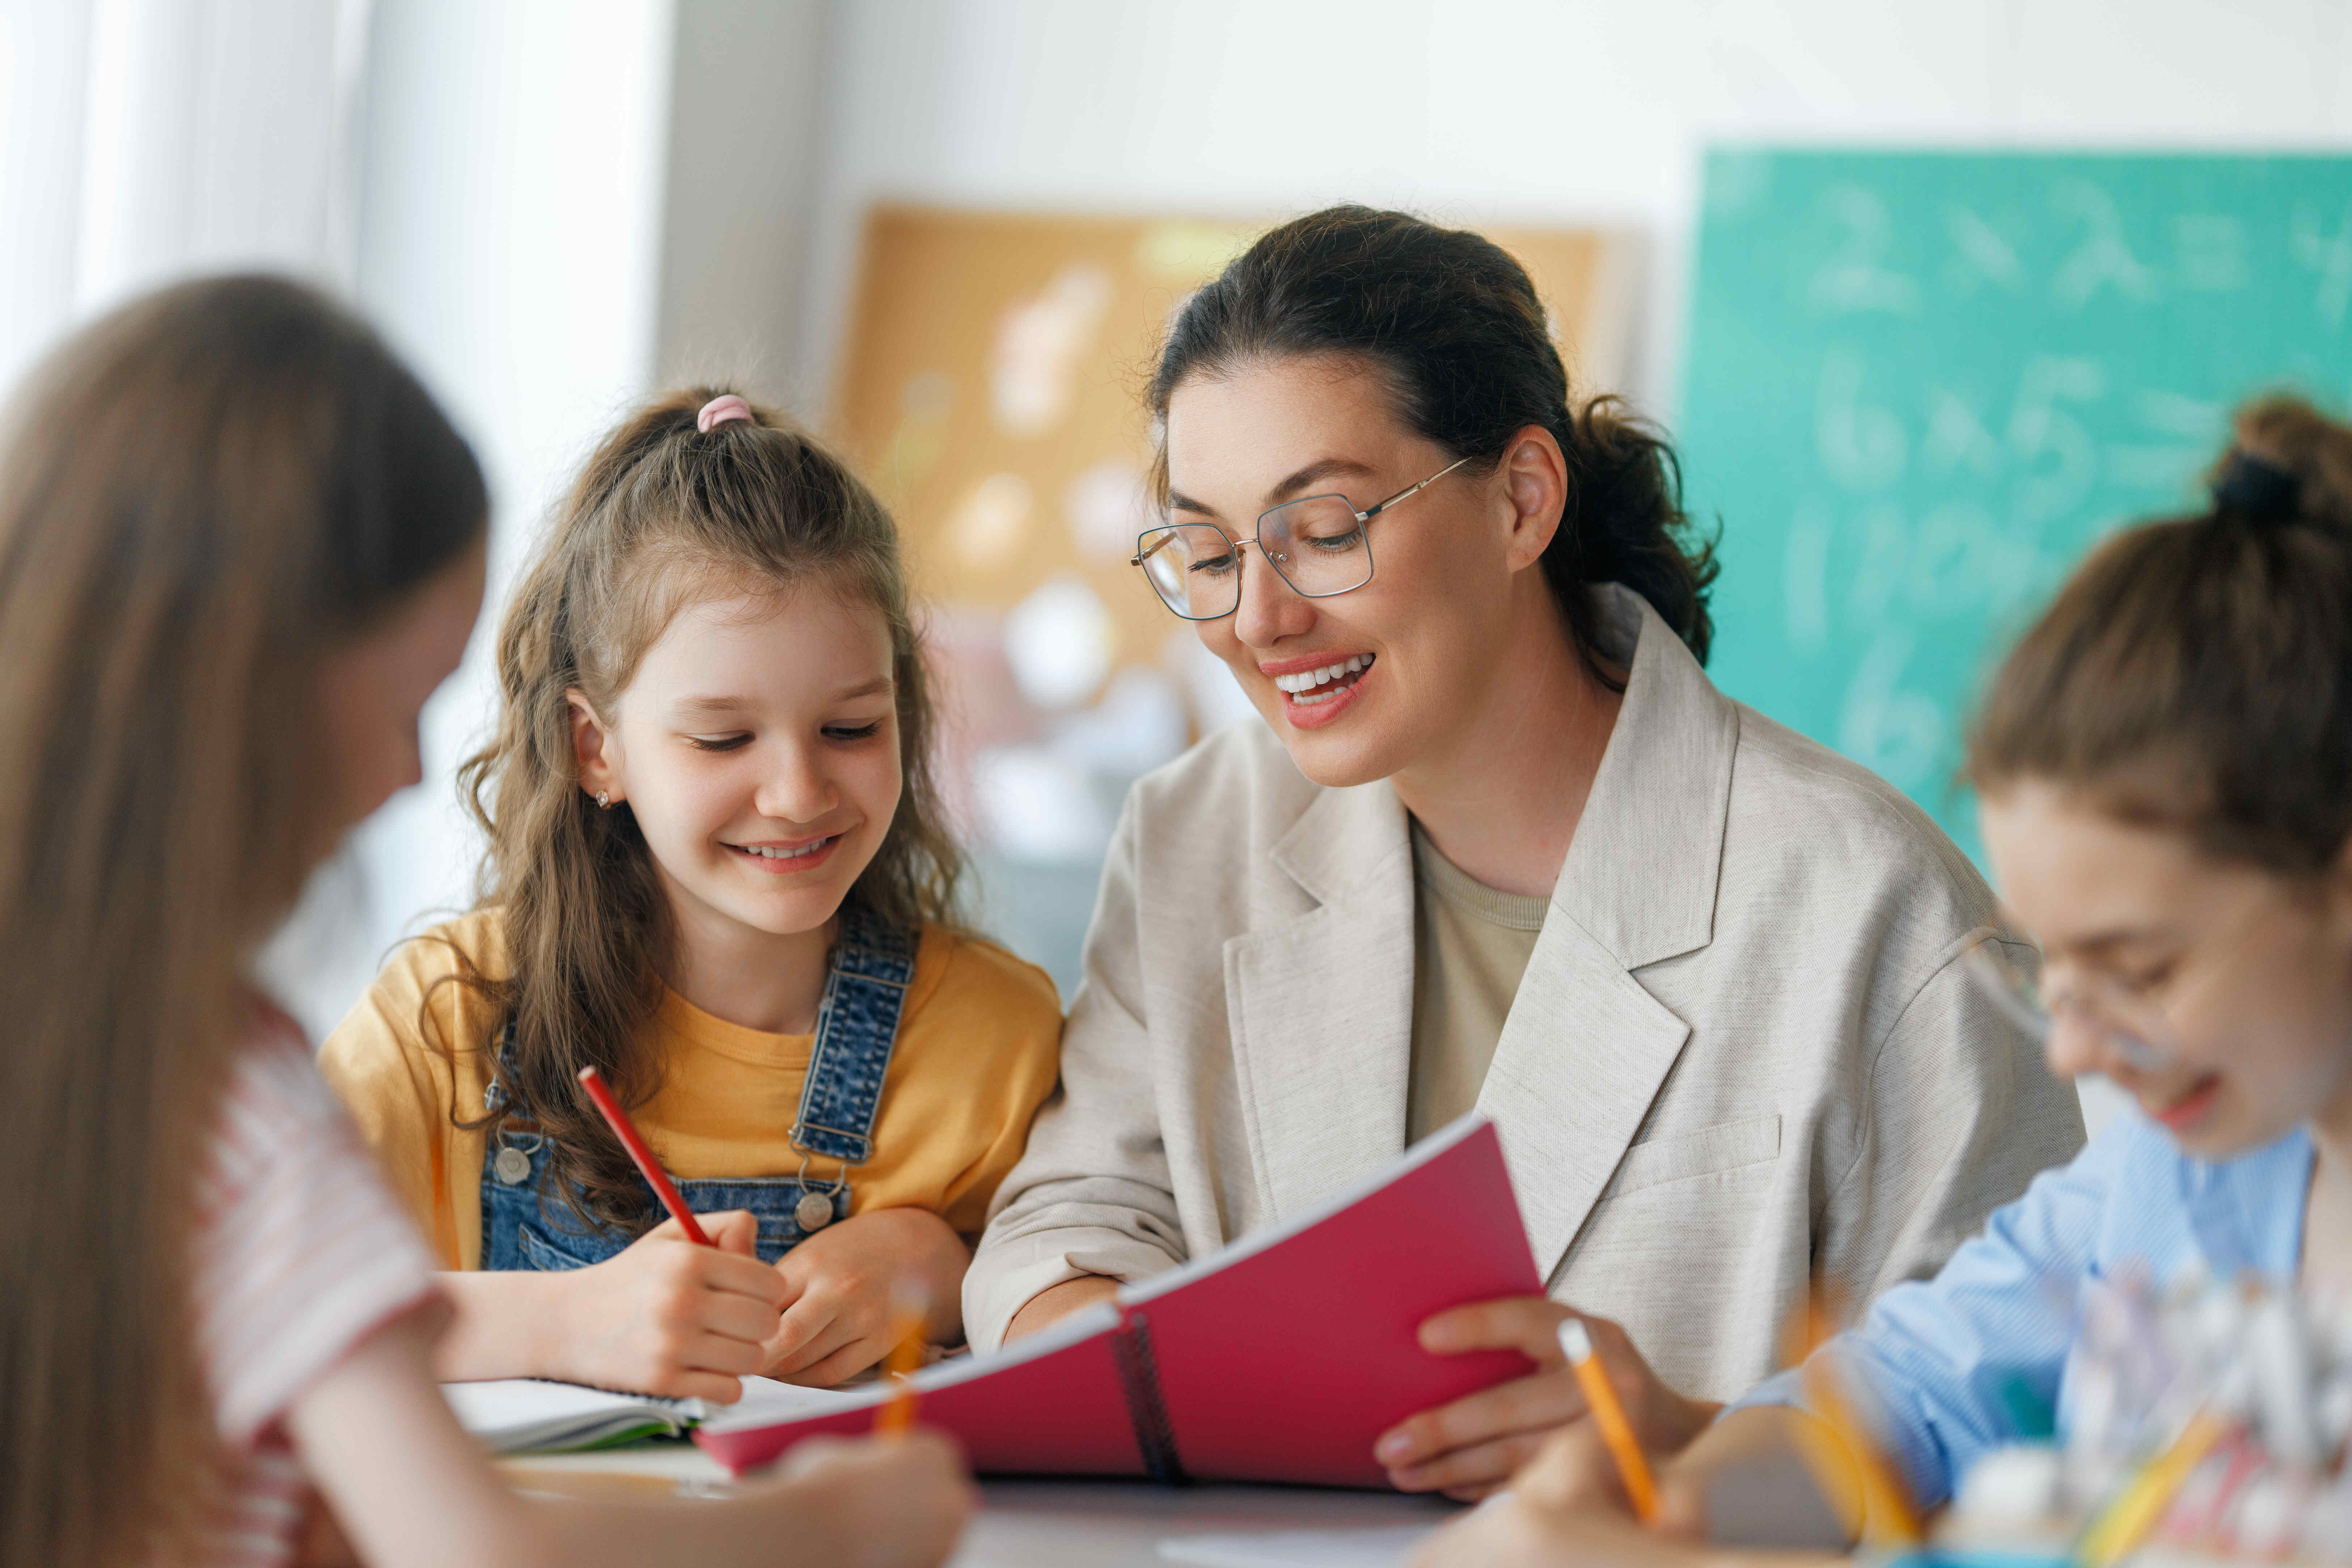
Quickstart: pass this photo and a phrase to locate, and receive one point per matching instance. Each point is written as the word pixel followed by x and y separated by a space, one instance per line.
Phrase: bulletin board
pixel 991 383
pixel 1920 384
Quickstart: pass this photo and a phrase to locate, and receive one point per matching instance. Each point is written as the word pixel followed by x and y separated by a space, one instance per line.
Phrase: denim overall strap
pixel 518 1229
pixel 526 1223
pixel 856 1028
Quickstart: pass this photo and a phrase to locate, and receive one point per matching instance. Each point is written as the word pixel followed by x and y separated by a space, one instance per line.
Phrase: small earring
pixel 604 800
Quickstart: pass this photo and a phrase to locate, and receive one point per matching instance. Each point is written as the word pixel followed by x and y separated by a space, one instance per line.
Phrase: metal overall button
pixel 512 1162
pixel 815 1211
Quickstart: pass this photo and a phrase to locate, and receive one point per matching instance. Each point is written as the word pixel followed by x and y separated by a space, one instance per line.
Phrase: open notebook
pixel 1280 1358
pixel 526 1416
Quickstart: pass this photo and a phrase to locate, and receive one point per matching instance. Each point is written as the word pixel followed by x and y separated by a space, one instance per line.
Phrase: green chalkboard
pixel 1918 385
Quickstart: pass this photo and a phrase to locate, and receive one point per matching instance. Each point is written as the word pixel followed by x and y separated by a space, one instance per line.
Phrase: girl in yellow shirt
pixel 717 871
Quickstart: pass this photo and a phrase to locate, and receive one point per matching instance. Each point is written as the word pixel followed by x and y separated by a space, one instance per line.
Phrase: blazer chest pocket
pixel 1726 1146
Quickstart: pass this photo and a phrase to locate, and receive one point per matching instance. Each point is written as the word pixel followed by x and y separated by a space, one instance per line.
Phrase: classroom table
pixel 1035 1523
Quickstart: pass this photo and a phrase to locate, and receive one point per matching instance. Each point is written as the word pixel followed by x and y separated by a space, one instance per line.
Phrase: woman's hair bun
pixel 2255 488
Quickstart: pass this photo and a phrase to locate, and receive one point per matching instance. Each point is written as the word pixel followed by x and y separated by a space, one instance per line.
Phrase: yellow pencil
pixel 2125 1523
pixel 1608 1415
pixel 1888 1518
pixel 909 1304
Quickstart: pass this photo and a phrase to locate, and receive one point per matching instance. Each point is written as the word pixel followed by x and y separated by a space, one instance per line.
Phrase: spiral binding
pixel 1138 1376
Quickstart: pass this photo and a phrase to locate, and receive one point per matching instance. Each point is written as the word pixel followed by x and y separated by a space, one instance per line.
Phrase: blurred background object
pixel 945 231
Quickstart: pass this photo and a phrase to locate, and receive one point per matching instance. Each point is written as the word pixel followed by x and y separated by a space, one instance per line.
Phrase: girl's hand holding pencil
pixel 704 1310
pixel 666 1317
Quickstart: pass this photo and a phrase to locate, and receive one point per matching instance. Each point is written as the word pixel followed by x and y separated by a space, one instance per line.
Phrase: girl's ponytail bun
pixel 2196 673
pixel 2291 463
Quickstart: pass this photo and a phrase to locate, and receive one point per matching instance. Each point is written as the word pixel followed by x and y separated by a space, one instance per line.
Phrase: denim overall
pixel 856 1026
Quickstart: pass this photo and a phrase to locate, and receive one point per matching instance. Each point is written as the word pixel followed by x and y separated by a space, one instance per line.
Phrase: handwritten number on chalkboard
pixel 2330 255
pixel 2210 252
pixel 1893 732
pixel 1983 254
pixel 1861 447
pixel 2186 429
pixel 2061 461
pixel 1957 437
pixel 2102 260
pixel 1857 277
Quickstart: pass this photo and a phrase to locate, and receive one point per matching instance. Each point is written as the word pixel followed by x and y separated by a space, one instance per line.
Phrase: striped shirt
pixel 1943 1357
pixel 300 1253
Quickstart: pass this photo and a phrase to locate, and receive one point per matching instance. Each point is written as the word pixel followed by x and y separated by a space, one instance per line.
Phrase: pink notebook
pixel 1279 1359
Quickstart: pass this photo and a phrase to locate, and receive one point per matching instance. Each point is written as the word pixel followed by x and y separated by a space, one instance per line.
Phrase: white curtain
pixel 482 176
pixel 146 140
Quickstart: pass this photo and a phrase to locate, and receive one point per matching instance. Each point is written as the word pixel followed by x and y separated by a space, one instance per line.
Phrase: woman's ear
pixel 595 751
pixel 1535 476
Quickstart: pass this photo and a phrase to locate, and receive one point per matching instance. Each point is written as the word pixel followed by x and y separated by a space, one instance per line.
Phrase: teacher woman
pixel 1499 843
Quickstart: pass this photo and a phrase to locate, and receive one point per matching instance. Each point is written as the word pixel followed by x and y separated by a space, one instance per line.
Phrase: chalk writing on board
pixel 2328 253
pixel 1921 384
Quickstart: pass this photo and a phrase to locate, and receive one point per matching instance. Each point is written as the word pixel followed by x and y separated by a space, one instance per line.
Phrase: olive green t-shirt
pixel 1470 947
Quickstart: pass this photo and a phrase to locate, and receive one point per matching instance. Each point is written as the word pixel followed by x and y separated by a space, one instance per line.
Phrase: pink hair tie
pixel 719 410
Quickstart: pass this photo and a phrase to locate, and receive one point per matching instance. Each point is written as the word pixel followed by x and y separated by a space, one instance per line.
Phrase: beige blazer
pixel 1743 1046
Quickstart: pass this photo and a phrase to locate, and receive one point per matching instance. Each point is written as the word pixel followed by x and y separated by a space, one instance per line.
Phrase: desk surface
pixel 1029 1524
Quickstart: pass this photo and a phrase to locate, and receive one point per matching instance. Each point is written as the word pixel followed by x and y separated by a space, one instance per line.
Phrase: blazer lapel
pixel 1320 1006
pixel 1581 1059
pixel 1586 1046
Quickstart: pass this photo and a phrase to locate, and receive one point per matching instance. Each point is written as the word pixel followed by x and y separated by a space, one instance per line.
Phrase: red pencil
pixel 594 1082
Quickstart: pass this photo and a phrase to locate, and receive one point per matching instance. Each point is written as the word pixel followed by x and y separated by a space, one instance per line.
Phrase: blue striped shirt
pixel 1941 1355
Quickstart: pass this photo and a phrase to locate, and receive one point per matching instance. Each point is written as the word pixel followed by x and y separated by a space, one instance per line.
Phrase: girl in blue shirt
pixel 2164 764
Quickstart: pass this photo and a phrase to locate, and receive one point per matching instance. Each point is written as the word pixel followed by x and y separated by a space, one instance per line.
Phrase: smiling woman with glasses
pixel 1498 844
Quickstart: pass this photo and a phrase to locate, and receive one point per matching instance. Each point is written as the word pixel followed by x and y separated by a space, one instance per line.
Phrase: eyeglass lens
pixel 1315 543
pixel 2130 1023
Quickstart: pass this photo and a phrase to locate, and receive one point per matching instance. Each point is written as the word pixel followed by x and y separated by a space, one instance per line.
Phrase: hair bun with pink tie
pixel 719 410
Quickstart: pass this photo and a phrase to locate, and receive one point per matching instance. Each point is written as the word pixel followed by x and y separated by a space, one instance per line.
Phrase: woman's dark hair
pixel 2196 673
pixel 1454 326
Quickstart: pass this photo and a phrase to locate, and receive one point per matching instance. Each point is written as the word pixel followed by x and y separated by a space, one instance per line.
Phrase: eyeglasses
pixel 2125 1015
pixel 1315 543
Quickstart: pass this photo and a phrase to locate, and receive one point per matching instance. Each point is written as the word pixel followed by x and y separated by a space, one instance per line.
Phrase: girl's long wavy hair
pixel 202 497
pixel 661 514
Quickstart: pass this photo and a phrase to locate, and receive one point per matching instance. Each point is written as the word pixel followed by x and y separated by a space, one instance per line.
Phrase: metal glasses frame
pixel 1258 537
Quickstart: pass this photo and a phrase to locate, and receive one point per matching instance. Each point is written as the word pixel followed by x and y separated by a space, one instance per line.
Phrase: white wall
pixel 1527 109
pixel 142 141
pixel 508 242
pixel 744 123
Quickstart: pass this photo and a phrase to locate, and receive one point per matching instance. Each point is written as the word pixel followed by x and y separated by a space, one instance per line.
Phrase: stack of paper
pixel 524 1415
